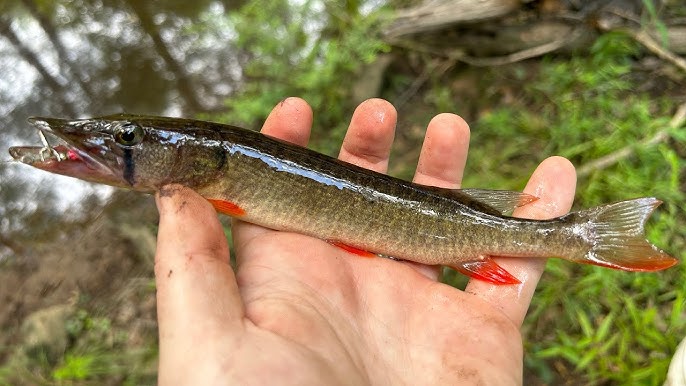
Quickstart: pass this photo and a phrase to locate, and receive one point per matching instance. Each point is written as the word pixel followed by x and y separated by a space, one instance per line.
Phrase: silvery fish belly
pixel 282 186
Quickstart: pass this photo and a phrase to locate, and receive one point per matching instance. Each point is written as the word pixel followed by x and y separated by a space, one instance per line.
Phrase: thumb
pixel 197 294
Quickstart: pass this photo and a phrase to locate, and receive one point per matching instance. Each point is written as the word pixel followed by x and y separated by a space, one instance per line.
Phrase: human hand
pixel 300 311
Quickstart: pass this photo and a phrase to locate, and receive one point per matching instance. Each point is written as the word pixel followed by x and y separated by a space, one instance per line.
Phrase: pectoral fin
pixel 227 207
pixel 486 269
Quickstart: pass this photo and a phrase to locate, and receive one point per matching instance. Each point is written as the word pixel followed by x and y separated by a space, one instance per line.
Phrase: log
pixel 676 38
pixel 437 14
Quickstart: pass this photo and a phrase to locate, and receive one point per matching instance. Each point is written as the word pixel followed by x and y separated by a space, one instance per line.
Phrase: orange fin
pixel 227 207
pixel 487 270
pixel 357 251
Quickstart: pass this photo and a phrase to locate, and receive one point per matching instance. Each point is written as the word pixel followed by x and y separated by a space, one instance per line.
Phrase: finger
pixel 441 162
pixel 368 140
pixel 196 288
pixel 554 183
pixel 290 120
pixel 444 152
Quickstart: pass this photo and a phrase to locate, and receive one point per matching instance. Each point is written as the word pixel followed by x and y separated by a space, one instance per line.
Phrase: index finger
pixel 554 183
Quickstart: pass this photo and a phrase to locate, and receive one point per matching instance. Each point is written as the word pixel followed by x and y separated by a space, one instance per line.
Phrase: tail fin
pixel 616 233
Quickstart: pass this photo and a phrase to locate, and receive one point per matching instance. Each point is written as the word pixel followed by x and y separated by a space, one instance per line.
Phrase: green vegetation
pixel 302 50
pixel 97 352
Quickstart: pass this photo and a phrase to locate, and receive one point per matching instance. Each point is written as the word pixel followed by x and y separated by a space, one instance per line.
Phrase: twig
pixel 643 36
pixel 434 69
pixel 514 57
pixel 603 162
pixel 648 42
pixel 524 54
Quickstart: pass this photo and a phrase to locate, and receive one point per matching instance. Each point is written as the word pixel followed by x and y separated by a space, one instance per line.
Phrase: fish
pixel 269 182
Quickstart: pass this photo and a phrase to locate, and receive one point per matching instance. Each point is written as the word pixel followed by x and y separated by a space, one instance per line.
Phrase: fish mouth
pixel 72 156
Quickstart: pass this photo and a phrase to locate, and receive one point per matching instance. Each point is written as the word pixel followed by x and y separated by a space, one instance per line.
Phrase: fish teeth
pixel 51 151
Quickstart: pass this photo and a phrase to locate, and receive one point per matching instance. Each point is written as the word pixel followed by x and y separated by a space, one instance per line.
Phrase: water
pixel 77 59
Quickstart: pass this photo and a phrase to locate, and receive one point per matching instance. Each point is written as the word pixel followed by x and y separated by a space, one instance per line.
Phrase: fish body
pixel 282 186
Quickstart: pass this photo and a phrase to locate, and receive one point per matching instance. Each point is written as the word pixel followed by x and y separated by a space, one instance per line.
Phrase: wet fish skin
pixel 287 187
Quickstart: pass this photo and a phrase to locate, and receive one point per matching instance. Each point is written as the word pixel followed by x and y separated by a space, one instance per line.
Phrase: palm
pixel 301 311
pixel 375 320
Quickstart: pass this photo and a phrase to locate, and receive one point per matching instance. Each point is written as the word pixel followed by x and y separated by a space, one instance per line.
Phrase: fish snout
pixel 54 125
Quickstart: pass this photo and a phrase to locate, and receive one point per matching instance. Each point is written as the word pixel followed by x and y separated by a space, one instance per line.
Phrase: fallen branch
pixel 437 14
pixel 528 53
pixel 644 37
pixel 603 162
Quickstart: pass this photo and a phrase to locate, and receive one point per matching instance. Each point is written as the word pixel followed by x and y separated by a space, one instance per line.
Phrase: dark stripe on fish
pixel 129 167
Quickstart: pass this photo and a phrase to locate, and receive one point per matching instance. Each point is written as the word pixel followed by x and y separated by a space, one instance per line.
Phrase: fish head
pixel 134 152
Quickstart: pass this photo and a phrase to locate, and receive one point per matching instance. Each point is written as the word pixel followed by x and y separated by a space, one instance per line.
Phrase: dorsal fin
pixel 495 202
pixel 504 201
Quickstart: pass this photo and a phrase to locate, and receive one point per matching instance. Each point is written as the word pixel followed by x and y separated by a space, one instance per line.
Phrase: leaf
pixel 589 356
pixel 604 327
pixel 74 368
pixel 611 342
pixel 585 324
pixel 676 317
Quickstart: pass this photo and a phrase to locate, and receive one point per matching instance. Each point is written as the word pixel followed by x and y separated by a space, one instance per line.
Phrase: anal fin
pixel 486 269
pixel 353 250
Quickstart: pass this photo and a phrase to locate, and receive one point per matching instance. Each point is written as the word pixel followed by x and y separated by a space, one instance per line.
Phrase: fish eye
pixel 128 134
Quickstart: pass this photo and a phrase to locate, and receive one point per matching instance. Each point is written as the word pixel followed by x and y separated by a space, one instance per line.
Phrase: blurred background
pixel 600 82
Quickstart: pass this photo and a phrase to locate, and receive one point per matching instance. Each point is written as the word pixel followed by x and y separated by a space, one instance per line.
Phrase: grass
pixel 98 352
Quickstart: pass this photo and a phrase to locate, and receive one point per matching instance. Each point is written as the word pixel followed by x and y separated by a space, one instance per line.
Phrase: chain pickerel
pixel 278 185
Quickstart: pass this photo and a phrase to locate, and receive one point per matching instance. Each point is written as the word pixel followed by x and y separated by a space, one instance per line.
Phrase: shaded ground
pixel 92 282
